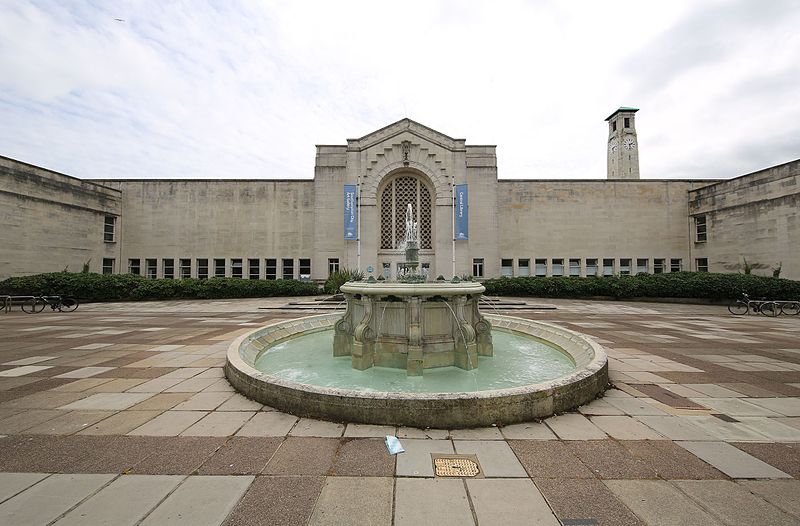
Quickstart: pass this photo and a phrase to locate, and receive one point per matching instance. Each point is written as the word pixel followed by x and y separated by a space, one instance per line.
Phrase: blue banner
pixel 462 212
pixel 350 212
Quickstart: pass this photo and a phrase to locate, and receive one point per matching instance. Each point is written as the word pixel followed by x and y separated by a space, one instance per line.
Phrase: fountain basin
pixel 429 409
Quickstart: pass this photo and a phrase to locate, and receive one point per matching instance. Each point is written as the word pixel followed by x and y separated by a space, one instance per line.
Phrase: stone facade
pixel 273 228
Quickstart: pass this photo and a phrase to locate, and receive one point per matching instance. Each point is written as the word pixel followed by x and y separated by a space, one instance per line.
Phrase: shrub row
pixel 704 285
pixel 106 287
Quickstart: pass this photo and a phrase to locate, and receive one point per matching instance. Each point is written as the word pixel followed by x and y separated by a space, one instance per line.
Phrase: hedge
pixel 107 287
pixel 704 285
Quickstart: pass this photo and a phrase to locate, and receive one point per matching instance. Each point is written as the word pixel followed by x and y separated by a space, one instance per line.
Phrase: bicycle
pixel 743 306
pixel 789 308
pixel 60 303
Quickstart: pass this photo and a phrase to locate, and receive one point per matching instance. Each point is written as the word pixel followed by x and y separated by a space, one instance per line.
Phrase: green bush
pixel 107 287
pixel 698 285
pixel 340 277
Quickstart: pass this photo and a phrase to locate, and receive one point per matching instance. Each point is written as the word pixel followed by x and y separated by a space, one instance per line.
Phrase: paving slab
pixel 82 385
pixel 169 423
pixel 675 428
pixel 608 459
pixel 442 502
pixel 338 507
pixel 204 401
pixel 780 493
pixel 625 428
pixel 161 402
pixel 599 407
pixel 85 372
pixel 120 423
pixel 634 406
pixel 238 402
pixel 50 498
pixel 785 457
pixel 309 427
pixel 787 406
pixel 528 431
pixel 732 461
pixel 432 434
pixel 363 457
pixel 714 391
pixel 735 407
pixel 548 459
pixel 219 423
pixel 200 500
pixel 27 419
pixel 178 456
pixel 107 401
pixel 304 456
pixel 155 385
pixel 479 433
pixel 658 503
pixel 495 457
pixel 509 502
pixel 192 385
pixel 13 483
pixel 30 360
pixel 268 424
pixel 69 423
pixel 241 456
pixel 734 504
pixel 291 502
pixel 416 461
pixel 25 369
pixel 368 430
pixel 573 426
pixel 119 455
pixel 123 502
pixel 670 461
pixel 596 504
pixel 724 430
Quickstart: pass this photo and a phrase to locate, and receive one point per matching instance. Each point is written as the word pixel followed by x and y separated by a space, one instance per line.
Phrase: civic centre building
pixel 351 214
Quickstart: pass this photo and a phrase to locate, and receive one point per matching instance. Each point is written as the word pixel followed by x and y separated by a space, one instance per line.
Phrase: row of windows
pixel 588 266
pixel 203 268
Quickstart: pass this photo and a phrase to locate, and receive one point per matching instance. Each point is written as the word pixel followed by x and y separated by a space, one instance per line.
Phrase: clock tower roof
pixel 622 109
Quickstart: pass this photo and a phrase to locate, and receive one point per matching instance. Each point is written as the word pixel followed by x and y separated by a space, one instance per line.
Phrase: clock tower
pixel 623 146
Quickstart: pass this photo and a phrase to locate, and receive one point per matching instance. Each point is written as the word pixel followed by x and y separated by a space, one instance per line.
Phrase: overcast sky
pixel 246 89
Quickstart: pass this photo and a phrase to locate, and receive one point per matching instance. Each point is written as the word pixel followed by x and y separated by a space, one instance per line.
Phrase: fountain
pixel 414 351
pixel 419 326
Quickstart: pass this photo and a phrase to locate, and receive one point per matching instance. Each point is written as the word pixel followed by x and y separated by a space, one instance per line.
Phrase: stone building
pixel 272 228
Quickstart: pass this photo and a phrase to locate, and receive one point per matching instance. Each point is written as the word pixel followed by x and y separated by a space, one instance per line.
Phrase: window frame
pixel 306 266
pixel 333 265
pixel 540 264
pixel 507 267
pixel 271 268
pixel 557 266
pixel 110 236
pixel 254 263
pixel 672 265
pixel 237 268
pixel 700 228
pixel 524 267
pixel 218 265
pixel 478 267
pixel 151 264
pixel 202 268
pixel 168 268
pixel 591 265
pixel 572 267
pixel 701 264
pixel 137 266
pixel 108 265
pixel 285 266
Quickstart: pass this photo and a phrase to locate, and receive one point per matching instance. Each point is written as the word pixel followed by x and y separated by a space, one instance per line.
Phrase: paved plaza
pixel 120 414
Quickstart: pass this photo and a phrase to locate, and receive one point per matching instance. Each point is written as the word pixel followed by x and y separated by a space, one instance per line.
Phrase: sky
pixel 246 89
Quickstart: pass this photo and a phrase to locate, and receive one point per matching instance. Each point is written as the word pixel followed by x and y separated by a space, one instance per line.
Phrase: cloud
pixel 246 89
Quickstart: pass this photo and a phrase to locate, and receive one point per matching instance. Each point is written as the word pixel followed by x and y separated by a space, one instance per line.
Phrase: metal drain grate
pixel 455 467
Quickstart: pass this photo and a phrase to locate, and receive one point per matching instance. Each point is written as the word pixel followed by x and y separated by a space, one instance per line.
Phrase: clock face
pixel 629 143
pixel 613 146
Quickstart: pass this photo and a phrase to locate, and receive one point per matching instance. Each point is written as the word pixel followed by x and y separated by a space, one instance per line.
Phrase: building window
pixel 675 265
pixel 642 266
pixel 701 264
pixel 304 268
pixel 169 268
pixel 627 122
pixel 591 267
pixel 700 233
pixel 219 268
pixel 624 267
pixel 395 198
pixel 202 269
pixel 558 267
pixel 185 268
pixel 254 268
pixel 613 126
pixel 134 266
pixel 236 268
pixel 659 266
pixel 109 227
pixel 151 267
pixel 524 266
pixel 271 268
pixel 287 265
pixel 507 268
pixel 608 267
pixel 574 267
pixel 333 265
pixel 108 265
pixel 540 266
pixel 477 267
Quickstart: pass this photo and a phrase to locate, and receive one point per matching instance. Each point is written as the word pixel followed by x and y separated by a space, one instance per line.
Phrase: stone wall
pixel 51 221
pixel 753 217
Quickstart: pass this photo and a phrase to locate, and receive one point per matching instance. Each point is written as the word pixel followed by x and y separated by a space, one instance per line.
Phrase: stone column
pixel 343 331
pixel 465 347
pixel 483 331
pixel 414 362
pixel 363 355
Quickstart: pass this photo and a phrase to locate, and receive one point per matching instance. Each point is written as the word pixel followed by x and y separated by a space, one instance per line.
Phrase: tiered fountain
pixel 392 332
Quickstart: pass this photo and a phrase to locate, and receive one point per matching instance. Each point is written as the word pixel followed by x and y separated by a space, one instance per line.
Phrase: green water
pixel 517 361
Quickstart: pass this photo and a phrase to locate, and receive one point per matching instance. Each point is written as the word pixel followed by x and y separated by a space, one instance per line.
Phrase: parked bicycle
pixel 37 304
pixel 789 308
pixel 745 305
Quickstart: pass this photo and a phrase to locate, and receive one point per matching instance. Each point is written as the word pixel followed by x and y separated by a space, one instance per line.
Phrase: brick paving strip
pixel 120 414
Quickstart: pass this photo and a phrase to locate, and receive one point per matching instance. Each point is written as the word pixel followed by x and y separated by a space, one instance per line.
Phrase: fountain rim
pixel 594 365
pixel 396 288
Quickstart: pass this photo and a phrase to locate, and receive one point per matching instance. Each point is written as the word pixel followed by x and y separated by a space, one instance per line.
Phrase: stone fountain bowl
pixel 451 410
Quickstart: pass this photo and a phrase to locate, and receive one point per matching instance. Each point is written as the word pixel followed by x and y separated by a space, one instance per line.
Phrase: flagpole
pixel 453 206
pixel 358 227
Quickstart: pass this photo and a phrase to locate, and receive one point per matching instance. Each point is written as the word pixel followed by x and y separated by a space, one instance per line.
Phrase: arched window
pixel 394 200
